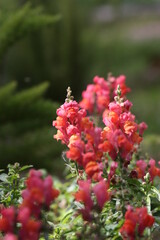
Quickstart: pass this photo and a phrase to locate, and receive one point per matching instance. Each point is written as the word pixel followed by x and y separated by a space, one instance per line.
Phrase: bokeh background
pixel 46 46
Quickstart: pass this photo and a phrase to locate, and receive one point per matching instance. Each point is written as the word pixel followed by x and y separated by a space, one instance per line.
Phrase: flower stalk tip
pixel 69 96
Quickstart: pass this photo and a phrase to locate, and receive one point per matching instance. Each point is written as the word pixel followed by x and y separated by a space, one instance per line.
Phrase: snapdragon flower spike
pixel 86 192
pixel 136 220
pixel 97 96
pixel 39 192
pixel 68 122
pixel 122 134
pixel 29 228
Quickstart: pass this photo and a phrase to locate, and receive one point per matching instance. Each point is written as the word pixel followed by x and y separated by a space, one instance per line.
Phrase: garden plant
pixel 110 192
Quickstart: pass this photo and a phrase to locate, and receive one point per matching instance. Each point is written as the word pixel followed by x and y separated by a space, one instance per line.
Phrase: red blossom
pixel 84 195
pixel 141 166
pixel 39 193
pixel 7 220
pixel 142 127
pixel 136 220
pixel 153 170
pixel 101 192
pixel 121 132
pixel 98 95
pixel 30 230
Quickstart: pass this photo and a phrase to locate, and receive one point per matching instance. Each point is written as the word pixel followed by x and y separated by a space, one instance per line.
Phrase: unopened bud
pixel 69 96
pixel 118 92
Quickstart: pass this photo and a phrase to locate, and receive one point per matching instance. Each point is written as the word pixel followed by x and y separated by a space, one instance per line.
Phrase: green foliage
pixel 16 24
pixel 11 185
pixel 26 128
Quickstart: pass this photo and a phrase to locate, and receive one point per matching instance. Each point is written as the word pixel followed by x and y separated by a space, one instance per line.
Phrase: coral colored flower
pixel 94 170
pixel 98 95
pixel 76 149
pixel 121 134
pixel 130 127
pixel 68 121
pixel 136 220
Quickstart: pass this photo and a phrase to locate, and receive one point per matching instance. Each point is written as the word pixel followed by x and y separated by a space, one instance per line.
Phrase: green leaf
pixel 25 167
pixel 4 177
pixel 134 182
pixel 156 191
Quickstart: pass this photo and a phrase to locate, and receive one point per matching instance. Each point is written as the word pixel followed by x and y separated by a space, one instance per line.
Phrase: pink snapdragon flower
pixel 68 122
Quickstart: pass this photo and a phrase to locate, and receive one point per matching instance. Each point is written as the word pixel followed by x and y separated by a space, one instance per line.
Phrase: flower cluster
pixel 98 95
pixel 68 121
pixel 84 149
pixel 122 134
pixel 136 220
pixel 103 152
pixel 89 143
pixel 100 190
pixel 102 138
pixel 38 195
pixel 142 168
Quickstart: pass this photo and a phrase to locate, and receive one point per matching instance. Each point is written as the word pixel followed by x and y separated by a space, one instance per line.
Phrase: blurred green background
pixel 46 46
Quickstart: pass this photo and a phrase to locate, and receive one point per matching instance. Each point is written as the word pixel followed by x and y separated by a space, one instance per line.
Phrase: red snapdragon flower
pixel 99 191
pixel 142 167
pixel 84 195
pixel 39 193
pixel 153 170
pixel 7 220
pixel 136 220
